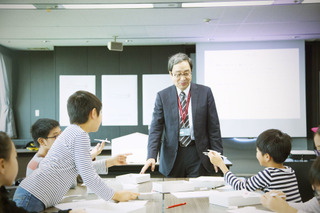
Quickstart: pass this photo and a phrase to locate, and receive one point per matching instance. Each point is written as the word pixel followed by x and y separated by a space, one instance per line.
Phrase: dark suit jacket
pixel 165 120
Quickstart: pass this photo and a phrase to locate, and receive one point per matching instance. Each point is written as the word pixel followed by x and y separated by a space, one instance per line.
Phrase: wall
pixel 36 79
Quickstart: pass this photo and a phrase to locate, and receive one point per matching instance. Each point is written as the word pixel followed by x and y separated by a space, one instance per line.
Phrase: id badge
pixel 185 132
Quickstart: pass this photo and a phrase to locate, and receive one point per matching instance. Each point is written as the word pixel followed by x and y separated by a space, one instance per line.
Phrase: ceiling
pixel 43 29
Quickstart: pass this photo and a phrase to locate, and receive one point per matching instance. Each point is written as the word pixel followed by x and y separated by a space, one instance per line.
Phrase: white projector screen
pixel 256 85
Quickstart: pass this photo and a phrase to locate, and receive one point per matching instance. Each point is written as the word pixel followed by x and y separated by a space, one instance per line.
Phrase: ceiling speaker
pixel 115 46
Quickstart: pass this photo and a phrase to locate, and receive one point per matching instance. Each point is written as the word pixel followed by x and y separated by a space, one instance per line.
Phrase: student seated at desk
pixel 68 157
pixel 44 133
pixel 273 148
pixel 8 173
pixel 275 200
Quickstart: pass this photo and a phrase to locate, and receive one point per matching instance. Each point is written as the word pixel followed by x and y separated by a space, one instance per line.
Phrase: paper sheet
pixel 104 206
pixel 119 100
pixel 248 209
pixel 151 84
pixel 70 84
pixel 135 143
pixel 196 194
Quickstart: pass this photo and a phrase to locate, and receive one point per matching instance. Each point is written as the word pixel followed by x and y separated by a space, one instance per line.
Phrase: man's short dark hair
pixel 276 143
pixel 80 104
pixel 314 173
pixel 41 128
pixel 178 58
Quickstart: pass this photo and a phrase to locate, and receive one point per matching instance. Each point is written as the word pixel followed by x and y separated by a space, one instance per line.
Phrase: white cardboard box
pixel 133 178
pixel 234 198
pixel 172 186
pixel 208 182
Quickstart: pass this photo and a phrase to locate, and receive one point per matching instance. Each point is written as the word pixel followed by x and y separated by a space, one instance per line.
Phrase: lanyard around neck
pixel 185 113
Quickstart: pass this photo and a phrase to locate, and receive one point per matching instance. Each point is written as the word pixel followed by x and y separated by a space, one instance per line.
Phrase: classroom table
pixel 157 205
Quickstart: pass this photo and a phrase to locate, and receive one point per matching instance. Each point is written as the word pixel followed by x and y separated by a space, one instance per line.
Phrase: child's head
pixel 274 143
pixel 316 138
pixel 45 131
pixel 8 160
pixel 81 105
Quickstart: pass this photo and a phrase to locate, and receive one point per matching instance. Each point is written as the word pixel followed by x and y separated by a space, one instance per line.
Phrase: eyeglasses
pixel 179 75
pixel 55 137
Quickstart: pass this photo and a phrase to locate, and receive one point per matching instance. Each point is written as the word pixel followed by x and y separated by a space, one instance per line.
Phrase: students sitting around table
pixel 273 148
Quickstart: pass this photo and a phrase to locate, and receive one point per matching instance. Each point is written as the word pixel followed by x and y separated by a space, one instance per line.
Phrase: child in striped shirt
pixel 273 148
pixel 69 156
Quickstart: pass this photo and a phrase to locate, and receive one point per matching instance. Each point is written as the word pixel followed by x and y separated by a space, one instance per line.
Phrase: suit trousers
pixel 187 163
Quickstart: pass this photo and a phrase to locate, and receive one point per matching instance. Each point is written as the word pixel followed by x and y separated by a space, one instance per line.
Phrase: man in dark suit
pixel 186 114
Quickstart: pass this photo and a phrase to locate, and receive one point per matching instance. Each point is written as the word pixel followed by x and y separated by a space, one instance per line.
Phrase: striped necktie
pixel 184 140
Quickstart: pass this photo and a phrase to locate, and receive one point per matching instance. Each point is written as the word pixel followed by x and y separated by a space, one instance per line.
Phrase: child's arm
pixel 253 183
pixel 117 160
pixel 216 160
pixel 276 203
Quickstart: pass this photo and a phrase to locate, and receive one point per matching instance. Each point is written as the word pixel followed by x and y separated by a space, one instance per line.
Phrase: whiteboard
pixel 256 86
pixel 69 84
pixel 119 100
pixel 151 84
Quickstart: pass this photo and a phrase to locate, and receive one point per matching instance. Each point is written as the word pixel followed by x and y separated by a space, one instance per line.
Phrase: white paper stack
pixel 95 206
pixel 133 178
pixel 208 182
pixel 234 198
pixel 172 186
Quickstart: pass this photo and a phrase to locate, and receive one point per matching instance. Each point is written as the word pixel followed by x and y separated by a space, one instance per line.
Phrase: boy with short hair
pixel 273 148
pixel 44 132
pixel 68 157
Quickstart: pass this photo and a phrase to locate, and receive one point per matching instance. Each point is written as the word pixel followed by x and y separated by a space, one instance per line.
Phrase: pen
pixel 275 194
pixel 106 140
pixel 180 204
pixel 206 153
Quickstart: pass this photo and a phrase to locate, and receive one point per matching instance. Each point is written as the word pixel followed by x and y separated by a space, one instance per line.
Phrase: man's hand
pixel 97 150
pixel 150 162
pixel 123 196
pixel 120 159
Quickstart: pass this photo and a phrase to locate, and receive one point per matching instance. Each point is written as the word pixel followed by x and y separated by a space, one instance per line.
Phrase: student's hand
pixel 120 159
pixel 215 159
pixel 278 193
pixel 97 150
pixel 123 196
pixel 78 211
pixel 276 203
pixel 150 162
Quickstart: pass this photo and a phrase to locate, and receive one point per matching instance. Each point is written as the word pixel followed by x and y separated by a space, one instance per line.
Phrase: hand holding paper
pixel 216 160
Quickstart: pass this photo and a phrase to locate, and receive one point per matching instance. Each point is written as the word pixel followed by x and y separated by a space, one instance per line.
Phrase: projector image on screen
pixel 115 46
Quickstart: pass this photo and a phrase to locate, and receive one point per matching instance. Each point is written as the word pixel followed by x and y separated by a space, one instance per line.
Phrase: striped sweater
pixel 269 179
pixel 68 157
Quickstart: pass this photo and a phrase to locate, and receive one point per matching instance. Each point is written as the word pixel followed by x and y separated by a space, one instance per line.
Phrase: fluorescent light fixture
pixel 105 6
pixel 310 1
pixel 17 6
pixel 227 3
